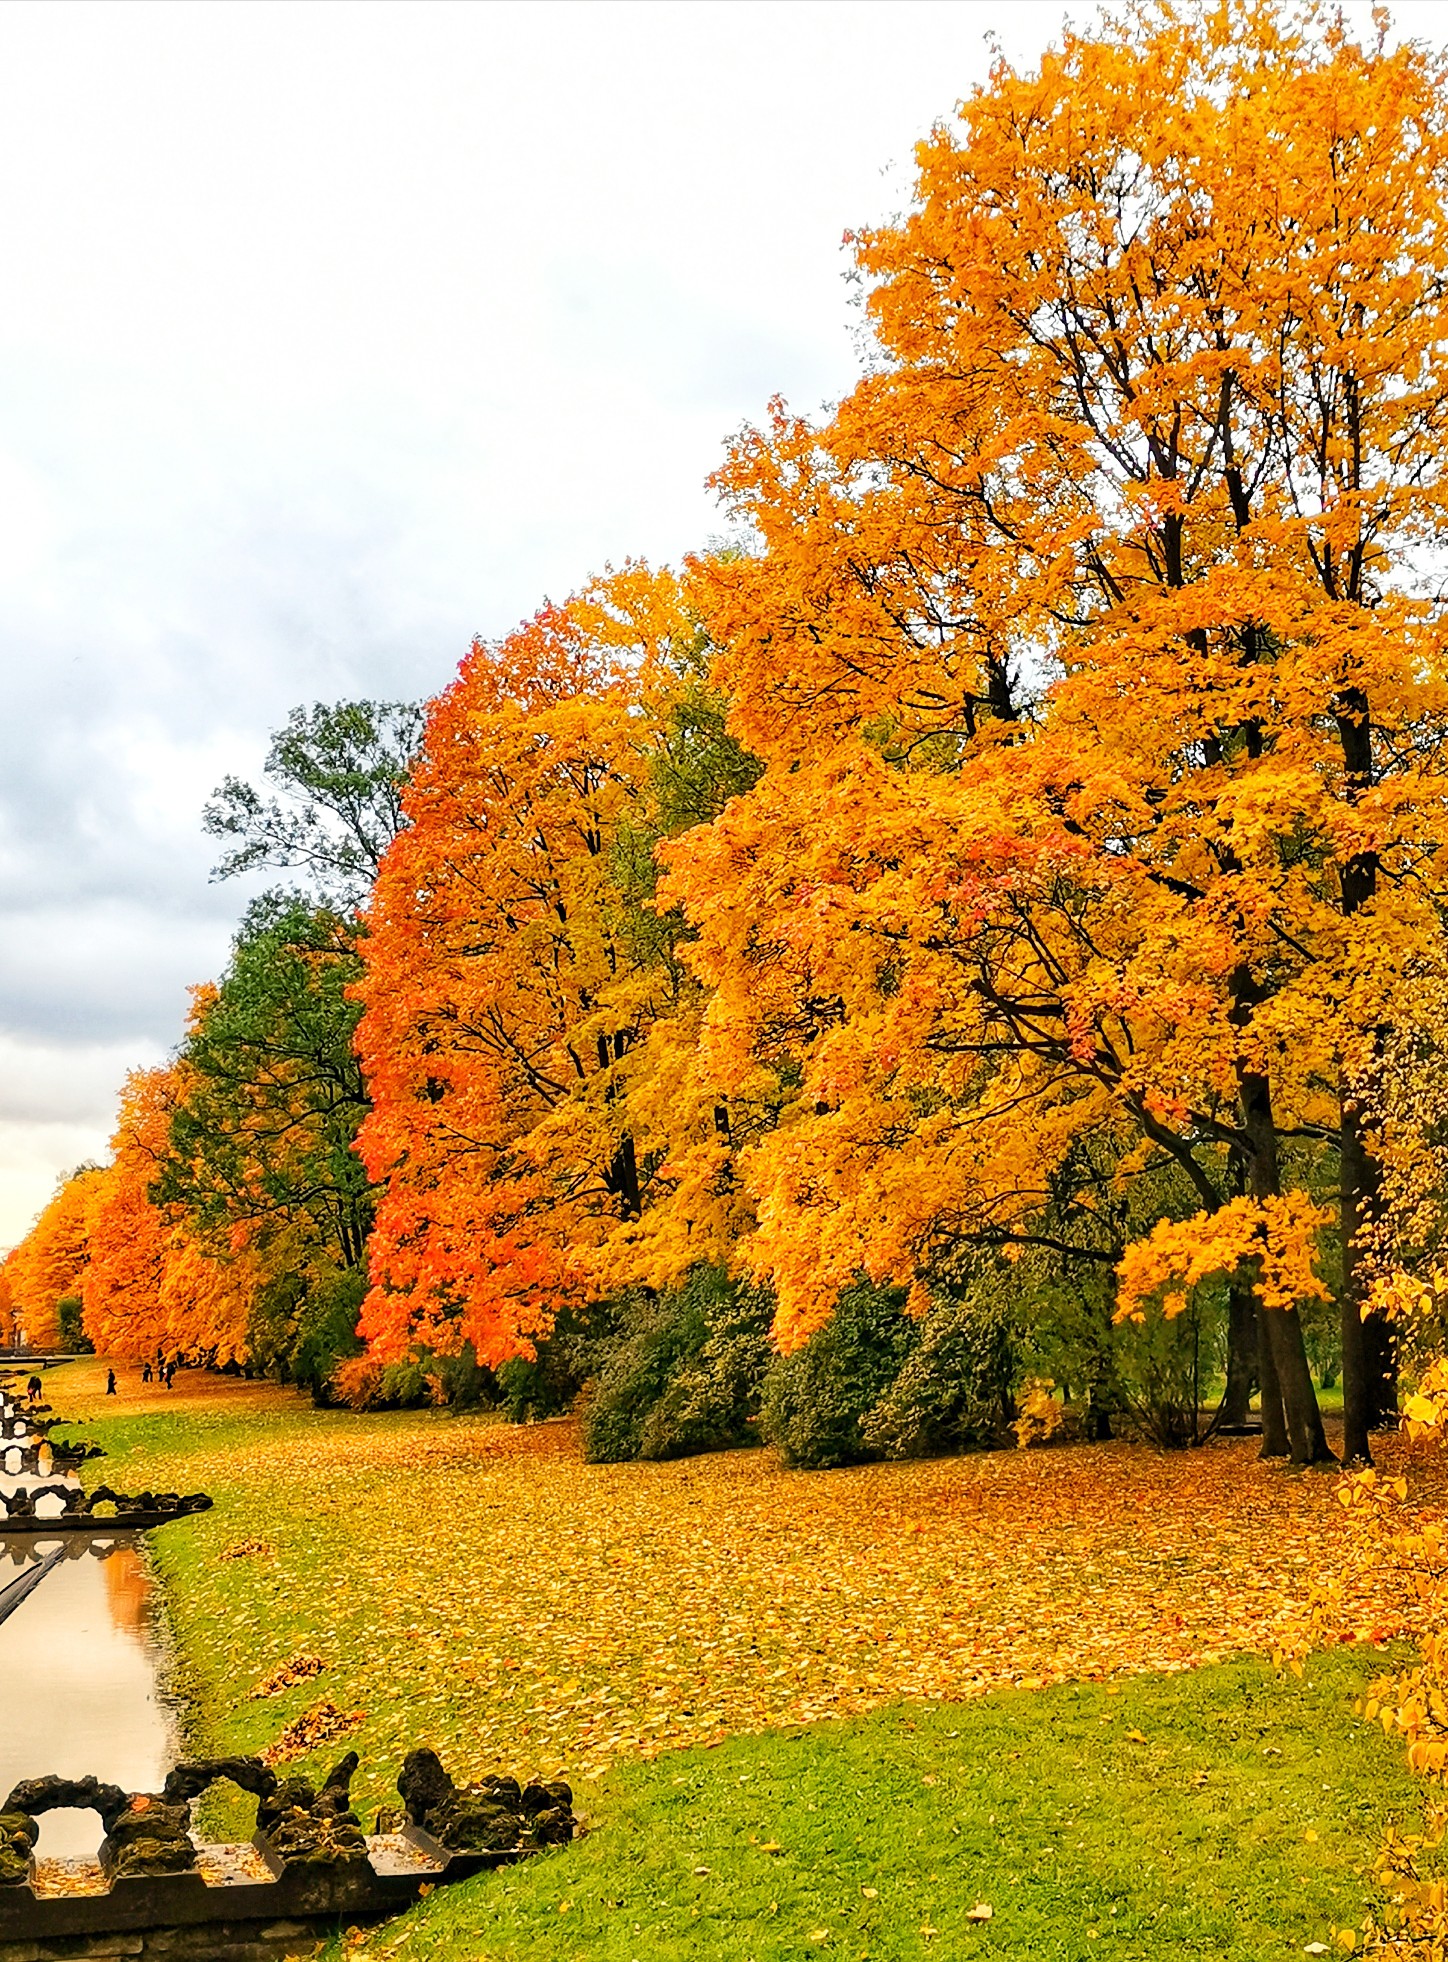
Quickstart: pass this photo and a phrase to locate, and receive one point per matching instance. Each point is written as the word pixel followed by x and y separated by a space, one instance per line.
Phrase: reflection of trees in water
pixel 128 1591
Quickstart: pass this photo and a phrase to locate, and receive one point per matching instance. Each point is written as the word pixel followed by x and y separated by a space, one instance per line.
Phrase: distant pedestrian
pixel 110 1382
pixel 145 1372
pixel 170 1375
pixel 32 1389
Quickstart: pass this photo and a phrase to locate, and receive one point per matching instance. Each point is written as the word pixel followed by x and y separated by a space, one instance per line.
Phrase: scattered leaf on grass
pixel 314 1728
pixel 982 1911
pixel 245 1550
pixel 298 1670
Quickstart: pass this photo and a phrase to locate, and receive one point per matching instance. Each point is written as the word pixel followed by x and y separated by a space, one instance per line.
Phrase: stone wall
pixel 211 1941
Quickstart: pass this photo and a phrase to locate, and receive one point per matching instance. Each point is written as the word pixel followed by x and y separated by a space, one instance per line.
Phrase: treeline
pixel 980 932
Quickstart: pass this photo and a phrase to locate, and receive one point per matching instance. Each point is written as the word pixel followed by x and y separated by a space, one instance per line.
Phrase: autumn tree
pixel 262 1131
pixel 269 1092
pixel 1086 647
pixel 49 1264
pixel 336 773
pixel 527 1038
pixel 9 1318
pixel 150 1287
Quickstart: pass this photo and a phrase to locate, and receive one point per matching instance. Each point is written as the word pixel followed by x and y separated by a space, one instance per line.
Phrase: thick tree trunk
pixel 1369 1373
pixel 1275 1442
pixel 1382 1345
pixel 1283 1346
pixel 1308 1441
pixel 1242 1368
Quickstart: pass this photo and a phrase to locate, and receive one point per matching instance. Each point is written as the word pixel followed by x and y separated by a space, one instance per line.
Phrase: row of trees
pixel 1025 845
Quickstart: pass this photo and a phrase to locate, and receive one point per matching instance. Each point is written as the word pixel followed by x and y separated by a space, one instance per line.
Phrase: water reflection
pixel 79 1676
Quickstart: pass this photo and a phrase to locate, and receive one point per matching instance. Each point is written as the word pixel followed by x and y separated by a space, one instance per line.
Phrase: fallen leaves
pixel 300 1669
pixel 245 1550
pixel 461 1577
pixel 320 1725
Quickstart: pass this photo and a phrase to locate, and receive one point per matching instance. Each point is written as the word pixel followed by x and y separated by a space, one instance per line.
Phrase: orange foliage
pixel 1278 1236
pixel 50 1261
pixel 8 1312
pixel 512 987
pixel 149 1287
pixel 1077 645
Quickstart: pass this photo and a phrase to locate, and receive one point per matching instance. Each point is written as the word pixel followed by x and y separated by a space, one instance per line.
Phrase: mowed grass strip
pixel 473 1586
pixel 1220 1814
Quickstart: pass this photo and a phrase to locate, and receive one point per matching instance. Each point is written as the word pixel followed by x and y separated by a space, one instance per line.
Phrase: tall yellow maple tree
pixel 1090 651
pixel 49 1263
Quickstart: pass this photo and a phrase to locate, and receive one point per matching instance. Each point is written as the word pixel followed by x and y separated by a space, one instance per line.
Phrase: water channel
pixel 80 1671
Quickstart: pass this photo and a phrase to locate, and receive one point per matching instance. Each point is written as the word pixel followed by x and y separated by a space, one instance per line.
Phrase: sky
pixel 335 334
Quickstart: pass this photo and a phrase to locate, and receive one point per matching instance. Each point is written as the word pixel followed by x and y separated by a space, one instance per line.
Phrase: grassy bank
pixel 1220 1814
pixel 1006 1679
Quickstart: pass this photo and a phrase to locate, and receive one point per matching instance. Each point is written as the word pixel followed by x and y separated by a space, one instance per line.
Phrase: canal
pixel 80 1672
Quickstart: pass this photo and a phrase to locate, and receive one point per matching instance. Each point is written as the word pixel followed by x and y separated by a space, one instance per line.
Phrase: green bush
pixel 684 1373
pixel 817 1400
pixel 953 1392
pixel 548 1383
pixel 326 1328
pixel 70 1317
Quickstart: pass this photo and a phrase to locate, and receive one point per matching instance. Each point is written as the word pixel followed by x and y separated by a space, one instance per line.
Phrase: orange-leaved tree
pixel 526 1033
pixel 49 1264
pixel 150 1287
pixel 8 1313
pixel 1089 651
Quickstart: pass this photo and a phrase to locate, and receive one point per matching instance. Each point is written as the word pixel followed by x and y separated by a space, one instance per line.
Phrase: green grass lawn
pixel 1237 1826
pixel 480 1590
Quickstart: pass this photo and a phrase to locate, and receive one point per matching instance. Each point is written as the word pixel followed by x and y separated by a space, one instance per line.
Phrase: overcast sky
pixel 334 334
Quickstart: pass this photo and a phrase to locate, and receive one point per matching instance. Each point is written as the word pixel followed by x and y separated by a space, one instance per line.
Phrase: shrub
pixel 816 1400
pixel 460 1381
pixel 326 1328
pixel 684 1373
pixel 547 1384
pixel 70 1317
pixel 953 1391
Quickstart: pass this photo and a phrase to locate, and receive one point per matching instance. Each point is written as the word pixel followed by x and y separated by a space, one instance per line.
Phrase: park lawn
pixel 1220 1814
pixel 999 1624
pixel 471 1585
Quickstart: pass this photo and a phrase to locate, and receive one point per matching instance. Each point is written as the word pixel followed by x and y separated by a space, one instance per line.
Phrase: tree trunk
pixel 1357 1178
pixel 1294 1380
pixel 1283 1346
pixel 1242 1366
pixel 1369 1379
pixel 1382 1345
pixel 1274 1424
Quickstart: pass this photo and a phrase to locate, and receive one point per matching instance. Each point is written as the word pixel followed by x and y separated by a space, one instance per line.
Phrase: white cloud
pixel 336 333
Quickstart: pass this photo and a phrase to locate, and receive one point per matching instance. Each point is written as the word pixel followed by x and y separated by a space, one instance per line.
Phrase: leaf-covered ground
pixel 475 1586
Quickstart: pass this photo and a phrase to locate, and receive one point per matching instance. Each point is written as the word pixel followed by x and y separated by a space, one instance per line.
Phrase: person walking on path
pixel 145 1372
pixel 32 1389
pixel 110 1382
